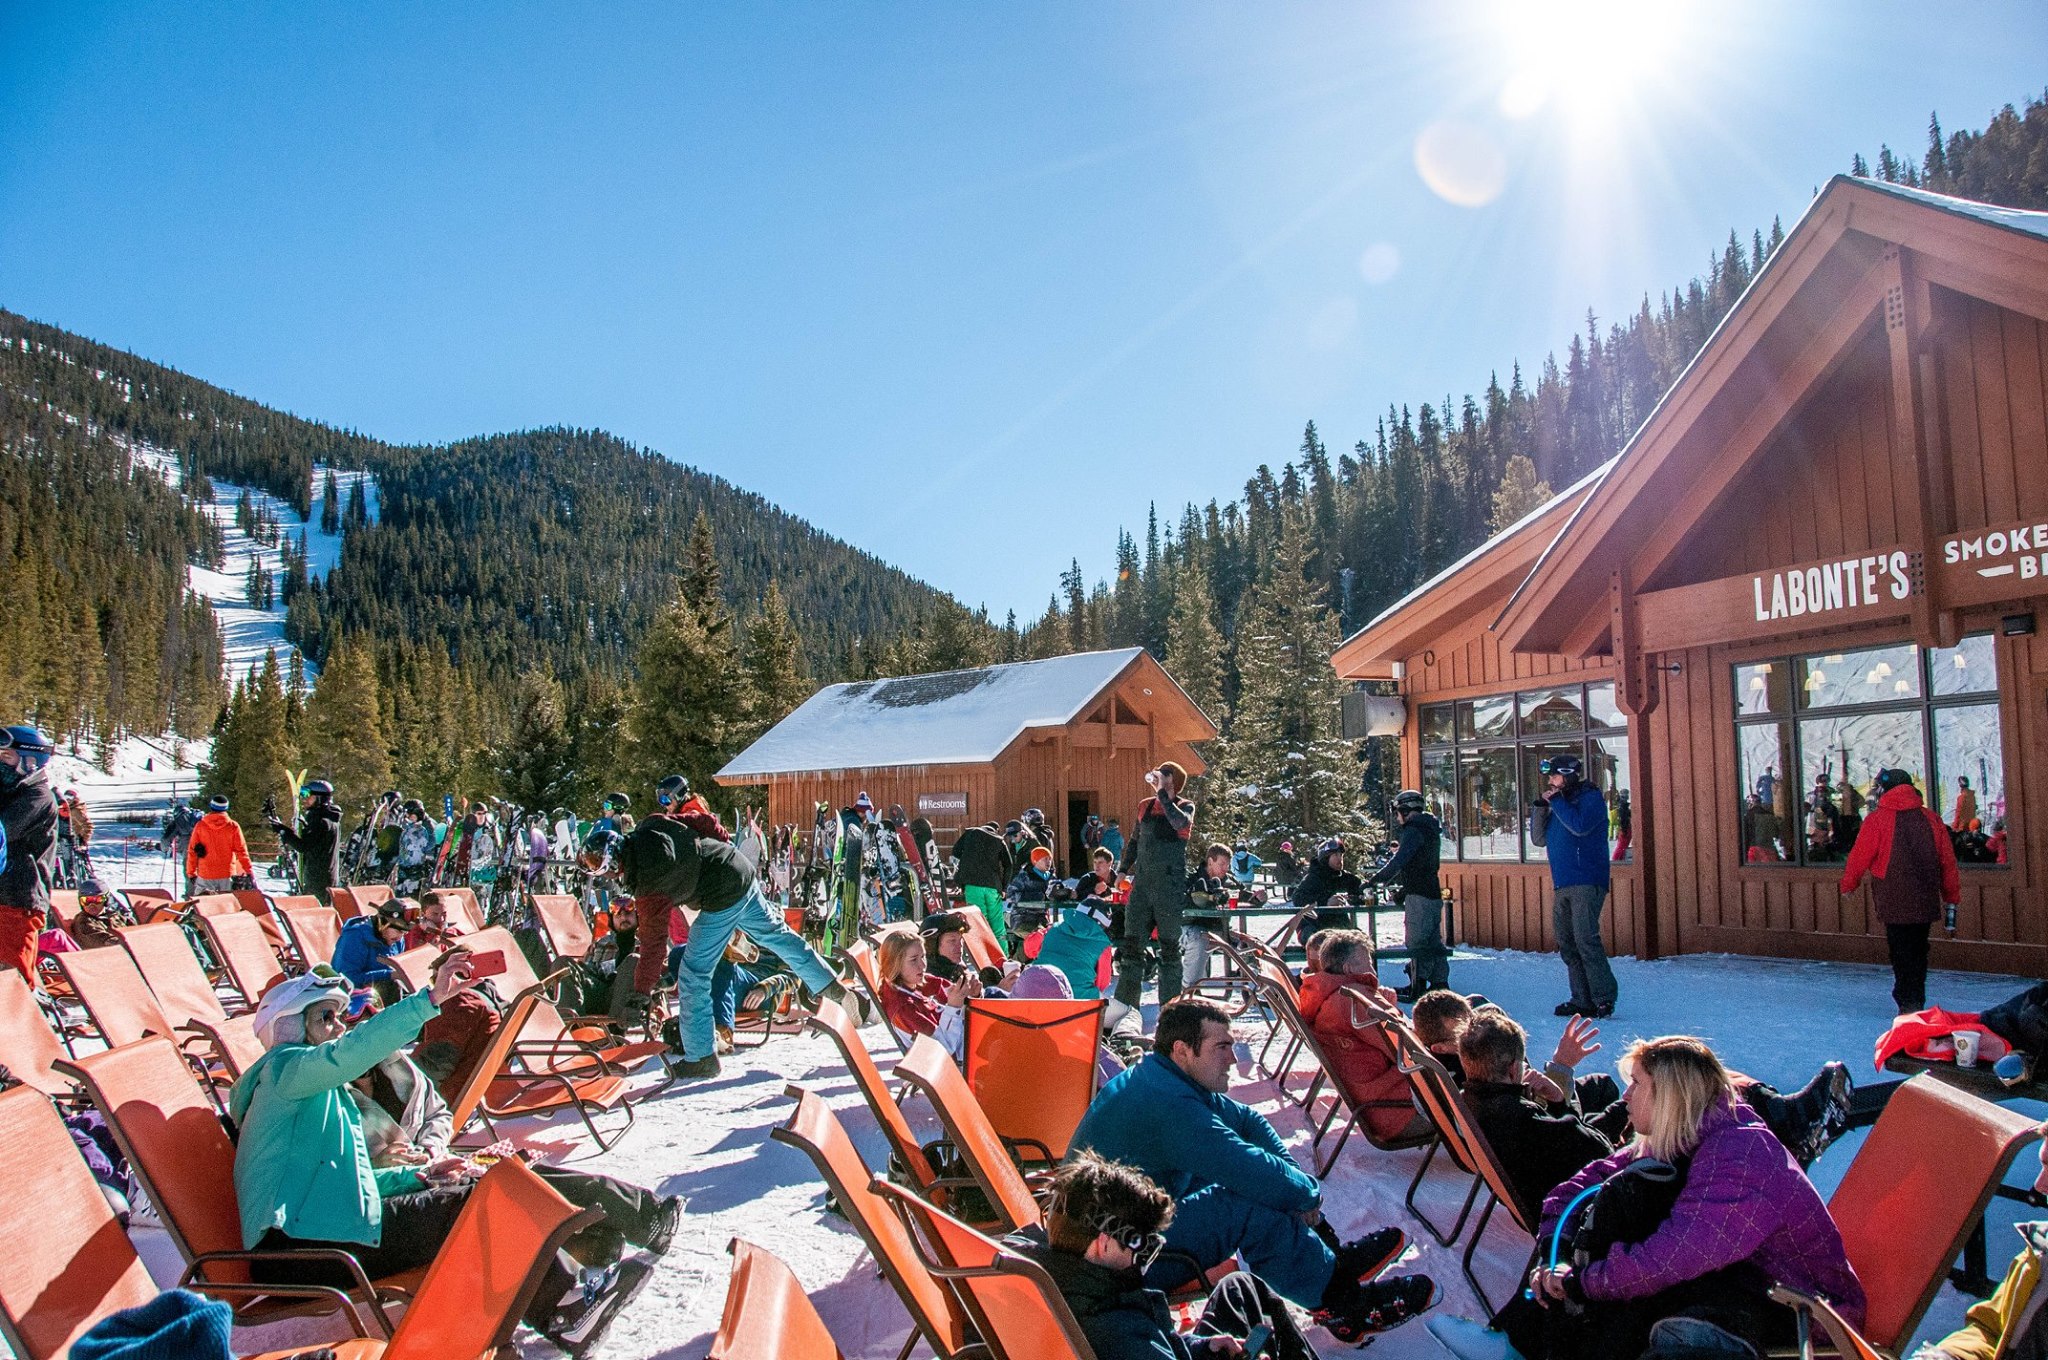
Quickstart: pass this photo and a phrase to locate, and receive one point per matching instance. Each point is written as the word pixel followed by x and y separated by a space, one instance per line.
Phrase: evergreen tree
pixel 345 740
pixel 957 640
pixel 1520 492
pixel 330 505
pixel 1285 770
pixel 776 679
pixel 1194 647
pixel 690 703
pixel 533 761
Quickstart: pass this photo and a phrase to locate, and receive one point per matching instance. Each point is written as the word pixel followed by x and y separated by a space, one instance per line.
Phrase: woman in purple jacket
pixel 1746 1218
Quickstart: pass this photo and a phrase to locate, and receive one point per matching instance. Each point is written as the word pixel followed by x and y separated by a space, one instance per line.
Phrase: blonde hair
pixel 1686 1082
pixel 895 946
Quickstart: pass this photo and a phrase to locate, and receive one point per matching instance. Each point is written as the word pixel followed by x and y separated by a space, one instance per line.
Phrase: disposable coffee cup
pixel 1966 1047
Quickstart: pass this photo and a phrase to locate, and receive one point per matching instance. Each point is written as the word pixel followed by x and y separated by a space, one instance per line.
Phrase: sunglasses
pixel 1144 1247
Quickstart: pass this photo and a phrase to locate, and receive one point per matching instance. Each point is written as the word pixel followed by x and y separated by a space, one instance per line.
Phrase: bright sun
pixel 1585 54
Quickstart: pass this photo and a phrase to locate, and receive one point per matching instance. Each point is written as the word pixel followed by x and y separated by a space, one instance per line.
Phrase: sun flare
pixel 1585 54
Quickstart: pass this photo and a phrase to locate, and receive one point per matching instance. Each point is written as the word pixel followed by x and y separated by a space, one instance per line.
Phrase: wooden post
pixel 1638 691
pixel 1925 512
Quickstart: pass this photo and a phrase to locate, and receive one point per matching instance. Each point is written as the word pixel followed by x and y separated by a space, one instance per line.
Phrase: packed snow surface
pixel 1774 1019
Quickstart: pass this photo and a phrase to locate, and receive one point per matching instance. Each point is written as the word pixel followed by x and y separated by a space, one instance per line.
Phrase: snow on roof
pixel 2014 219
pixel 948 718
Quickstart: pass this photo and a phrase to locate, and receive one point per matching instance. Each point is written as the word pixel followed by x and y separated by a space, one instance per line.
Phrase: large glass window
pixel 1482 764
pixel 1809 751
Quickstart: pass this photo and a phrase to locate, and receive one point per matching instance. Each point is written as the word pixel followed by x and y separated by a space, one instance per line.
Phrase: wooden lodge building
pixel 1073 735
pixel 1823 553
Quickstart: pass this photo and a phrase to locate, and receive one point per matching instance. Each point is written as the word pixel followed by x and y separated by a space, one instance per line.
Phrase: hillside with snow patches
pixel 147 773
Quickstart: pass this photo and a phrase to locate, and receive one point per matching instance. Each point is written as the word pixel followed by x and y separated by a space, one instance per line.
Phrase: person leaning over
pixel 1157 861
pixel 1104 1225
pixel 1413 869
pixel 1235 1189
pixel 1911 862
pixel 1569 821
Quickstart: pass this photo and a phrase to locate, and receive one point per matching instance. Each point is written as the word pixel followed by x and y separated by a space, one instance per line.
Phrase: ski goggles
pixel 1143 1246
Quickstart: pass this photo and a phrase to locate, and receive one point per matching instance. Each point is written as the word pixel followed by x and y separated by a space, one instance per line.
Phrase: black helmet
pixel 1330 847
pixel 673 789
pixel 560 813
pixel 1571 767
pixel 1410 800
pixel 1034 817
pixel 388 796
pixel 319 788
pixel 413 807
pixel 1241 848
pixel 1012 827
pixel 32 751
pixel 601 848
pixel 1887 780
pixel 615 799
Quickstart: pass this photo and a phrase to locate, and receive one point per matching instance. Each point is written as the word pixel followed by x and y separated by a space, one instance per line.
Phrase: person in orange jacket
pixel 1905 848
pixel 217 854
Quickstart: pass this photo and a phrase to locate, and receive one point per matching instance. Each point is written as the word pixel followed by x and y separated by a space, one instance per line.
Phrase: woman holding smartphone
pixel 303 1176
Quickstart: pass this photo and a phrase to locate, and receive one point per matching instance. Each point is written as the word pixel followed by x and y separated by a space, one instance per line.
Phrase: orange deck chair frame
pixel 244 949
pixel 315 931
pixel 1031 1065
pixel 114 994
pixel 563 925
pixel 767 1312
pixel 987 1156
pixel 359 901
pixel 29 1048
pixel 497 1089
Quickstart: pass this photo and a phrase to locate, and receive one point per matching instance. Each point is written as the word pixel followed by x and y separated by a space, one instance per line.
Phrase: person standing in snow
pixel 316 839
pixel 1414 869
pixel 1906 851
pixel 1570 822
pixel 1157 861
pixel 415 850
pixel 28 835
pixel 218 854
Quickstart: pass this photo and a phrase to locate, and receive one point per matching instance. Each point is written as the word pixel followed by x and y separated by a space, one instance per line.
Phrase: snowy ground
pixel 146 773
pixel 1776 1020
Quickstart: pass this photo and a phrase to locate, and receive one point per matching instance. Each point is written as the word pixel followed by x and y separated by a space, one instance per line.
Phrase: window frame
pixel 1794 717
pixel 1589 736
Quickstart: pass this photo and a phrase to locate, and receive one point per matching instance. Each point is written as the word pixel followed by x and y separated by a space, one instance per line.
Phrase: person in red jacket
pixel 1361 1057
pixel 918 1002
pixel 217 855
pixel 1906 851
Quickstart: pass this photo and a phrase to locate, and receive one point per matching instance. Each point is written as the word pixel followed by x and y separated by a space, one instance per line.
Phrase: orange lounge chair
pixel 1031 1066
pixel 496 1089
pixel 768 1314
pixel 64 907
pixel 213 904
pixel 243 947
pixel 981 942
pixel 989 1157
pixel 816 1131
pixel 360 901
pixel 315 931
pixel 1907 1204
pixel 832 1021
pixel 1014 1304
pixel 1371 1031
pixel 29 1048
pixel 165 959
pixel 577 1045
pixel 562 925
pixel 461 905
pixel 867 972
pixel 69 1263
pixel 258 904
pixel 121 1005
pixel 1458 1134
pixel 176 1147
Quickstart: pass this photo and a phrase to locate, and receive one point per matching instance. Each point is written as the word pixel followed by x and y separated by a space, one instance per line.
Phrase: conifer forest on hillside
pixel 545 614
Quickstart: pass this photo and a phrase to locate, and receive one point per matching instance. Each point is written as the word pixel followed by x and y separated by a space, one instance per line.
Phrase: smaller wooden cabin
pixel 1072 735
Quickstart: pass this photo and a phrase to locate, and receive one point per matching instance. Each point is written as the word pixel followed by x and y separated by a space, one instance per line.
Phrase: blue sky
pixel 965 285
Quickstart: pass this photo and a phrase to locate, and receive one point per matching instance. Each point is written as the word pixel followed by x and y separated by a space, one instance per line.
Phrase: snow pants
pixel 989 903
pixel 1429 961
pixel 708 938
pixel 1157 901
pixel 1214 1224
pixel 1575 918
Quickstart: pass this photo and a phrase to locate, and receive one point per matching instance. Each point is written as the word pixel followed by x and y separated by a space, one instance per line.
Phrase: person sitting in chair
pixel 1104 1225
pixel 1361 1055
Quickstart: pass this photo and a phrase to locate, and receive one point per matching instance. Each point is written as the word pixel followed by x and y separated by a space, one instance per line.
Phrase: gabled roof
pixel 1486 574
pixel 953 717
pixel 1812 302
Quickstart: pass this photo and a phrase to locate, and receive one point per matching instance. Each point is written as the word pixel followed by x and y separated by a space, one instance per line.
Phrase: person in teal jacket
pixel 303 1177
pixel 1236 1189
pixel 1078 945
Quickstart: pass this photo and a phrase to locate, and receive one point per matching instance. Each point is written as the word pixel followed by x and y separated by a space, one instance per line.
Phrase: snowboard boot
pixel 681 1068
pixel 1364 1259
pixel 1354 1312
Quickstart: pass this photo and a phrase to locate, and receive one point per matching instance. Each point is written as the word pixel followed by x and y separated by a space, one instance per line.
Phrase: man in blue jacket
pixel 1570 823
pixel 363 952
pixel 1236 1190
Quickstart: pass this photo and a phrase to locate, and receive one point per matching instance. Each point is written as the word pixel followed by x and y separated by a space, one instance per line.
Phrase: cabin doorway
pixel 1080 807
